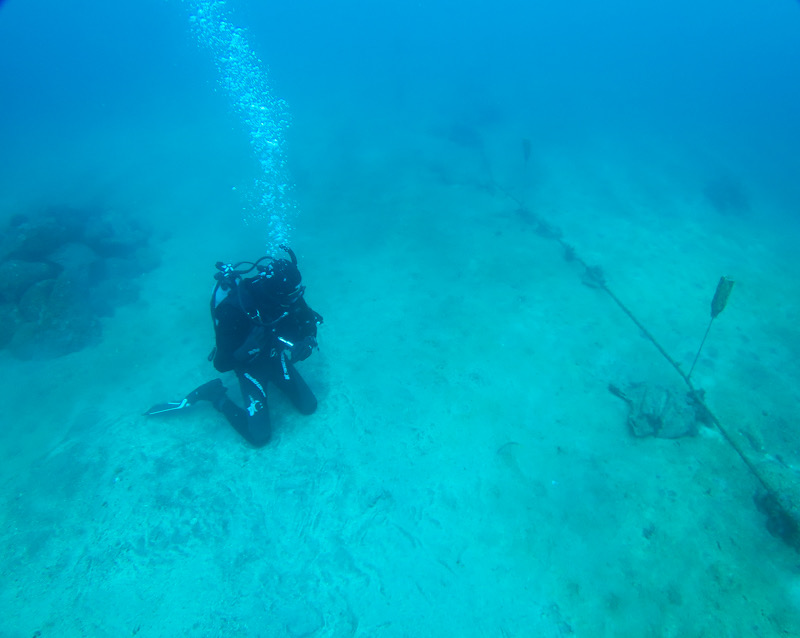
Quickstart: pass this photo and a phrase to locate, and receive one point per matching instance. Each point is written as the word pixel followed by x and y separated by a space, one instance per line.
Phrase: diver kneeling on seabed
pixel 263 326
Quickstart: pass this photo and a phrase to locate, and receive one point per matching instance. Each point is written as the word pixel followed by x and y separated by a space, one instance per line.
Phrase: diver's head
pixel 279 281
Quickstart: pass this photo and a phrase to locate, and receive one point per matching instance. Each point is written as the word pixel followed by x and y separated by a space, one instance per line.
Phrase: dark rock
pixel 34 341
pixel 110 293
pixel 142 260
pixel 114 235
pixel 9 322
pixel 33 239
pixel 33 236
pixel 34 304
pixel 74 257
pixel 60 269
pixel 16 276
pixel 72 220
pixel 65 324
pixel 117 269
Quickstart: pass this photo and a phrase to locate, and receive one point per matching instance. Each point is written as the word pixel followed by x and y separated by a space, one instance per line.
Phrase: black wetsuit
pixel 258 336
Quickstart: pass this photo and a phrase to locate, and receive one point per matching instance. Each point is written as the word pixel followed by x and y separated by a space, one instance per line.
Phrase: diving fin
pixel 160 408
pixel 212 391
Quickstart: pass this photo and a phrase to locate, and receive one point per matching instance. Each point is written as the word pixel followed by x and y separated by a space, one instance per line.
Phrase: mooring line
pixel 594 278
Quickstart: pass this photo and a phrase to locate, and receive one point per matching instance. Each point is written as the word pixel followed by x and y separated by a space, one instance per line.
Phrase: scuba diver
pixel 263 326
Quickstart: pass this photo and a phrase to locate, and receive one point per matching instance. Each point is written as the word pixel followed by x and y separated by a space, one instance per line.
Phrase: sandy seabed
pixel 467 472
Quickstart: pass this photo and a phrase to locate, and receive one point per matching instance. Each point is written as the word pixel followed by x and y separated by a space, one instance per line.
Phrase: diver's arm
pixel 232 328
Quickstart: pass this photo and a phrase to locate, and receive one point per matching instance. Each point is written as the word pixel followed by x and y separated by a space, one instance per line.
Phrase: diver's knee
pixel 259 439
pixel 309 405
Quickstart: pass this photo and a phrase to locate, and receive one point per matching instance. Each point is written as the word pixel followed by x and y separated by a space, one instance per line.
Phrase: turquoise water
pixel 463 183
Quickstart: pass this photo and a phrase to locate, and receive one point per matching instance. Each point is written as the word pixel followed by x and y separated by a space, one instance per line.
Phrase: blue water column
pixel 244 78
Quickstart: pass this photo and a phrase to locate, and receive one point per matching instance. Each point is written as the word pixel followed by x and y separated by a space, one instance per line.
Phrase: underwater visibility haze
pixel 555 248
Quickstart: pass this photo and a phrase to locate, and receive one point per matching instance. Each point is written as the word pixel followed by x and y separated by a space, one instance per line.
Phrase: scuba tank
pixel 278 281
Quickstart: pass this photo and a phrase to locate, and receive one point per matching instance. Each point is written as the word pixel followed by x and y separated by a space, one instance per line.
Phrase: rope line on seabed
pixel 594 278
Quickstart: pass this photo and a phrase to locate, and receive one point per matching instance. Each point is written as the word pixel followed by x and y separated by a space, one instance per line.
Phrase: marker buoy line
pixel 781 509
